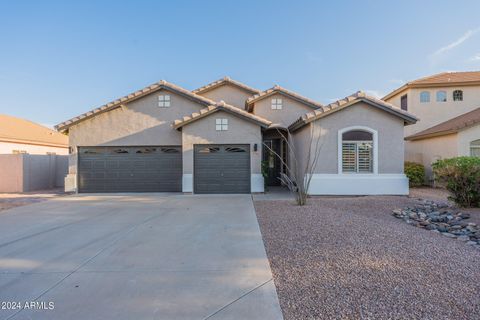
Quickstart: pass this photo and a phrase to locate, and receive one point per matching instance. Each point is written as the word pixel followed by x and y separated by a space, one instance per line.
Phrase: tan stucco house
pixel 217 138
pixel 448 107
pixel 19 136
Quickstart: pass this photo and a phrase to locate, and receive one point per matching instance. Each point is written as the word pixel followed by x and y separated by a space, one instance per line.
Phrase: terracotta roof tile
pixel 440 79
pixel 277 89
pixel 349 101
pixel 23 131
pixel 221 106
pixel 222 81
pixel 132 96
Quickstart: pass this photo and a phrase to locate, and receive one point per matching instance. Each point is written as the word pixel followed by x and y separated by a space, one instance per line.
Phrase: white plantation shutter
pixel 349 162
pixel 365 162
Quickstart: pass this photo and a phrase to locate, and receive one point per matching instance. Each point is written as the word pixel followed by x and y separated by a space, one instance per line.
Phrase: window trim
pixel 473 145
pixel 275 104
pixel 461 95
pixel 374 146
pixel 427 94
pixel 437 93
pixel 163 102
pixel 221 124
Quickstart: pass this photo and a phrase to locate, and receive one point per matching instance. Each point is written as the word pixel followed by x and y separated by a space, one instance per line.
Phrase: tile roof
pixel 448 127
pixel 221 106
pixel 133 96
pixel 449 77
pixel 440 79
pixel 222 81
pixel 341 104
pixel 18 130
pixel 277 89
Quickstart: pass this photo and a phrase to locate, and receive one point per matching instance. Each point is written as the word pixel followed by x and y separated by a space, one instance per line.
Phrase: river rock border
pixel 441 218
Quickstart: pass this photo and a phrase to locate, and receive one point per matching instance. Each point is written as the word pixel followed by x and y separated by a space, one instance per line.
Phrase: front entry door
pixel 272 162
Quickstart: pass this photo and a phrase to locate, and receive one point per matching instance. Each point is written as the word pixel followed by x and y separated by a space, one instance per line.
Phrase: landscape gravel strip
pixel 349 258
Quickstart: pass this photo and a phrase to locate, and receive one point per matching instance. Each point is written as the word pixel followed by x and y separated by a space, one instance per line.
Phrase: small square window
pixel 276 104
pixel 164 101
pixel 221 124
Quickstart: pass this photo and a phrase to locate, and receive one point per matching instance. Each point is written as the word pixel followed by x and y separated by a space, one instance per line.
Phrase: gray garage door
pixel 222 169
pixel 130 169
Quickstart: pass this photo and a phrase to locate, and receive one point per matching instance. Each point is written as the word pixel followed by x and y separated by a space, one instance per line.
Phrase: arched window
pixel 457 95
pixel 475 148
pixel 441 96
pixel 357 152
pixel 424 96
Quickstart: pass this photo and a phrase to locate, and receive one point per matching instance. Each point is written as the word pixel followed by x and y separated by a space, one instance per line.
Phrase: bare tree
pixel 298 175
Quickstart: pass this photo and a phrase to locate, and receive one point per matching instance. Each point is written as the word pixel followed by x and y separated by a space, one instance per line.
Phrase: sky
pixel 59 59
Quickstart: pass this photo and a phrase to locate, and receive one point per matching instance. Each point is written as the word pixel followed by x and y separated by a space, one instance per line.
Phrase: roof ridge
pixel 222 105
pixel 345 102
pixel 281 89
pixel 226 79
pixel 130 97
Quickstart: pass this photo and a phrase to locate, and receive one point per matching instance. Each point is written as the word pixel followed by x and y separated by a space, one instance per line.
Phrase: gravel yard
pixel 11 200
pixel 349 258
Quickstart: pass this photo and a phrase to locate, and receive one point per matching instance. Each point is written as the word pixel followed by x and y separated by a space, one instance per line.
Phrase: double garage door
pixel 130 169
pixel 217 169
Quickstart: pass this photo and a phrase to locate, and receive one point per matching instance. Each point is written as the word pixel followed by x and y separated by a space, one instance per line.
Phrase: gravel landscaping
pixel 350 258
pixel 12 200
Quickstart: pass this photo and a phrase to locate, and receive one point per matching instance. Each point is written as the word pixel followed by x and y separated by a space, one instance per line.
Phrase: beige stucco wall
pixel 390 137
pixel 291 110
pixel 430 150
pixel 433 112
pixel 141 122
pixel 8 147
pixel 465 137
pixel 239 132
pixel 231 94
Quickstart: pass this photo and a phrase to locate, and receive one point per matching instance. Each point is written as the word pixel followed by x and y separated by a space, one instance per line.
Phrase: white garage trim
pixel 257 184
pixel 359 184
pixel 187 182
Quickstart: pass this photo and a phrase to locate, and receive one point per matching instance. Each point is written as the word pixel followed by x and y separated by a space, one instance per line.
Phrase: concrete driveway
pixel 144 256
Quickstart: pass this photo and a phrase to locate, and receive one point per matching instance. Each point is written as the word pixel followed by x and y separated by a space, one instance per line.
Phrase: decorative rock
pixel 440 218
pixel 446 234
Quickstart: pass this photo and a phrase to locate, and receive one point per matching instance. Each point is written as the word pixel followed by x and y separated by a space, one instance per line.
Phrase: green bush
pixel 461 176
pixel 415 173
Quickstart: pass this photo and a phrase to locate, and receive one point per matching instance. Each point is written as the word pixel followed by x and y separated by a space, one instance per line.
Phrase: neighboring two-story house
pixel 217 138
pixel 448 108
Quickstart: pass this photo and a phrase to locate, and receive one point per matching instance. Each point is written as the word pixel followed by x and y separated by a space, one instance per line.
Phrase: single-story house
pixel 32 157
pixel 23 136
pixel 217 139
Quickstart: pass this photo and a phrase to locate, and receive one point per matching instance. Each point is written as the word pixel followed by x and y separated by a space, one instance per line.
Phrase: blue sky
pixel 61 58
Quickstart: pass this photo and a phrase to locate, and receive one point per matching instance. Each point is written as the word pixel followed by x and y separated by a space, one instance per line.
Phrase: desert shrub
pixel 415 173
pixel 460 176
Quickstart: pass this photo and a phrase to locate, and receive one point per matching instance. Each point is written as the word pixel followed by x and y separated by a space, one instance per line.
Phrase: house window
pixel 357 152
pixel 424 96
pixel 475 148
pixel 164 101
pixel 457 95
pixel 441 96
pixel 19 151
pixel 277 104
pixel 221 124
pixel 403 102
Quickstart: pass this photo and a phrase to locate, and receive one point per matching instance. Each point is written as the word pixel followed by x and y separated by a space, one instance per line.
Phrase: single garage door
pixel 130 169
pixel 222 169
